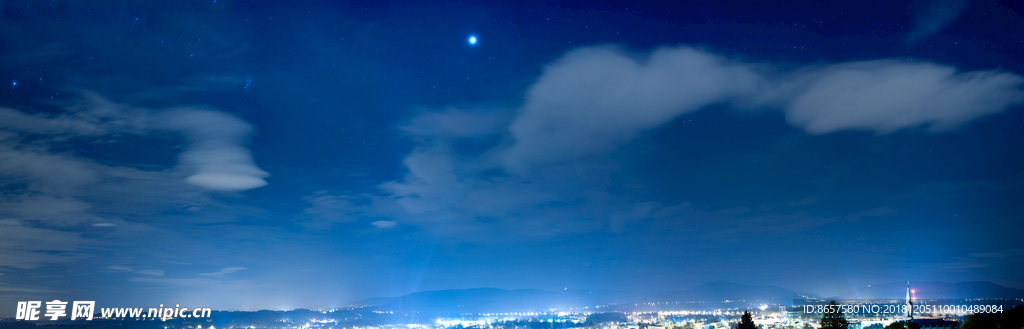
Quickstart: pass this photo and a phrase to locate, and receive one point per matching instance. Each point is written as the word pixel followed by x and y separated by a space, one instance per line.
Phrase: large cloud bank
pixel 596 98
pixel 551 171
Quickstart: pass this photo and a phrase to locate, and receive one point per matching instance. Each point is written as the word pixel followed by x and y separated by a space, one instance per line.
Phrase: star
pixel 472 40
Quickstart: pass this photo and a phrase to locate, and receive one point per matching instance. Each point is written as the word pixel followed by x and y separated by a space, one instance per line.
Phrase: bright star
pixel 472 39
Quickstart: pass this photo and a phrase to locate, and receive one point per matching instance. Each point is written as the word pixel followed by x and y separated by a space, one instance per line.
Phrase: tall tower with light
pixel 910 302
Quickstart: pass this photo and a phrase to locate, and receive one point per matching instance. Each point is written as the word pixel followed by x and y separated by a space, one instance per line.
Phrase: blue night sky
pixel 253 154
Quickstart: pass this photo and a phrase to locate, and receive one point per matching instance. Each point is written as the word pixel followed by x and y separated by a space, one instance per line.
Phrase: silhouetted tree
pixel 746 322
pixel 832 317
pixel 1012 319
pixel 606 317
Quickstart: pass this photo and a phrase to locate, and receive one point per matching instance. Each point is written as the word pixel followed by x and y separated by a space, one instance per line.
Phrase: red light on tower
pixel 912 296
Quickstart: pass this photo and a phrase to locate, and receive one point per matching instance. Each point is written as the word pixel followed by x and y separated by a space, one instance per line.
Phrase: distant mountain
pixel 708 295
pixel 721 291
pixel 935 290
pixel 493 300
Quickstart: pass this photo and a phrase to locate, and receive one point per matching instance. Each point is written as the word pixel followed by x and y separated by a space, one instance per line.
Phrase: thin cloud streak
pixel 121 268
pixel 934 17
pixel 224 271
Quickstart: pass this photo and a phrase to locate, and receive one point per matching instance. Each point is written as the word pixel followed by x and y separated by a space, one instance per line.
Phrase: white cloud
pixel 215 151
pixel 384 223
pixel 62 211
pixel 326 209
pixel 595 98
pixel 43 171
pixel 183 282
pixel 224 271
pixel 884 96
pixel 29 247
pixel 432 183
pixel 457 123
pixel 550 172
pixel 215 156
pixel 120 268
pixel 454 191
pixel 16 120
pixel 52 193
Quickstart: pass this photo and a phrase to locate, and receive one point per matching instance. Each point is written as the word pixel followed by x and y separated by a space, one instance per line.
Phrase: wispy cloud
pixel 29 247
pixel 215 156
pixel 56 194
pixel 932 16
pixel 875 212
pixel 120 268
pixel 29 290
pixel 384 223
pixel 325 209
pixel 885 96
pixel 1008 253
pixel 224 271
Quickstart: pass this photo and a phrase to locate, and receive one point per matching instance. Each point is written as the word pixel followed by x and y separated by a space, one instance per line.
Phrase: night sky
pixel 275 154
